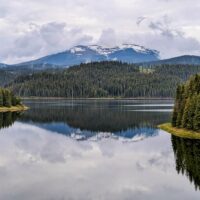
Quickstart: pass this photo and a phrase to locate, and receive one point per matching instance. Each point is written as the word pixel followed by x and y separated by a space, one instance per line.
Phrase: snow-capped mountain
pixel 2 65
pixel 130 53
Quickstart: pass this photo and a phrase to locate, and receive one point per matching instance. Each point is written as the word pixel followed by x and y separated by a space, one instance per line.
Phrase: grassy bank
pixel 13 108
pixel 179 131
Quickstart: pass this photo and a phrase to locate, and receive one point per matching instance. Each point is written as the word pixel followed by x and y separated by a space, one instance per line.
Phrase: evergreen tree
pixel 13 99
pixel 7 100
pixel 181 105
pixel 185 114
pixel 176 106
pixel 187 105
pixel 189 112
pixel 1 97
pixel 196 121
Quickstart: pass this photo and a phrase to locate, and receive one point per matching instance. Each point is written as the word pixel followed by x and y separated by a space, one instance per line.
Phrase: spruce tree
pixel 1 97
pixel 175 112
pixel 7 101
pixel 13 99
pixel 185 113
pixel 181 106
pixel 196 120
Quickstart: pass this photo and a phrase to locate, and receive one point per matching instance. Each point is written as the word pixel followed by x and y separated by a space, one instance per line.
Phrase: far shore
pixel 14 108
pixel 102 98
pixel 180 132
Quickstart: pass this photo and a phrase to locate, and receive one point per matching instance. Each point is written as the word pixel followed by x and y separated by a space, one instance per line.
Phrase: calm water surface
pixel 95 150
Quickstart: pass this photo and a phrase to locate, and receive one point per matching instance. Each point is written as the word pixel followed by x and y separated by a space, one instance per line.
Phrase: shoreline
pixel 180 132
pixel 19 108
pixel 101 98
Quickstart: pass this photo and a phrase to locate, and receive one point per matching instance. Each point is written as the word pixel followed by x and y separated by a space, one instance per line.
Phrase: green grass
pixel 180 132
pixel 14 108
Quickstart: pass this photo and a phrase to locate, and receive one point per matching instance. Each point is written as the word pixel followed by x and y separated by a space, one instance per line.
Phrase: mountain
pixel 2 65
pixel 181 60
pixel 129 53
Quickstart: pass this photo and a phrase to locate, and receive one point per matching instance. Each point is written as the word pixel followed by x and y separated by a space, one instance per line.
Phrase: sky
pixel 30 29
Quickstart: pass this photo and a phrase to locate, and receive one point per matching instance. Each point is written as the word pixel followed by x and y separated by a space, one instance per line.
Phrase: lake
pixel 95 150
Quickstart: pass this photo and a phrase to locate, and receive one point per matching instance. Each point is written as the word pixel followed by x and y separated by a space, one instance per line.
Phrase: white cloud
pixel 30 29
pixel 108 38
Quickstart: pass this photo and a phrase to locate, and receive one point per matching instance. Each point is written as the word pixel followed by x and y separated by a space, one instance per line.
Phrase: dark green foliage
pixel 1 97
pixel 180 105
pixel 196 122
pixel 176 106
pixel 105 79
pixel 15 100
pixel 187 155
pixel 8 99
pixel 8 118
pixel 187 105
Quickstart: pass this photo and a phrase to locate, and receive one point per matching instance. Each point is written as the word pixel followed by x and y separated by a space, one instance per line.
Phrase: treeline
pixel 187 106
pixel 8 99
pixel 105 79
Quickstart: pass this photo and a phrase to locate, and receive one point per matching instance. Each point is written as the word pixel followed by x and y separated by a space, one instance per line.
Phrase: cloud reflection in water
pixel 36 164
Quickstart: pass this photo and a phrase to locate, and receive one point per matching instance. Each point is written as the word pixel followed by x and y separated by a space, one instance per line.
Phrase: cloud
pixel 108 38
pixel 40 40
pixel 169 40
pixel 140 20
pixel 36 28
pixel 163 26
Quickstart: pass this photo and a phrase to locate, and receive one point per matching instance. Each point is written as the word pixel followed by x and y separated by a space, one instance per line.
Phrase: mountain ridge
pixel 184 60
pixel 126 53
pixel 130 53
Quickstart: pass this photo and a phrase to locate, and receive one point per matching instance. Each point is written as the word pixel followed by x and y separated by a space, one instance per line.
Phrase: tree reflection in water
pixel 8 118
pixel 187 156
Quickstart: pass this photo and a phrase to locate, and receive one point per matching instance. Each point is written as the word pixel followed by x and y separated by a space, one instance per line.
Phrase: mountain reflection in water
pixel 84 149
pixel 83 119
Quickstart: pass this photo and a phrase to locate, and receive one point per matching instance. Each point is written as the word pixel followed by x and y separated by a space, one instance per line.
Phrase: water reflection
pixel 187 156
pixel 84 119
pixel 38 163
pixel 8 118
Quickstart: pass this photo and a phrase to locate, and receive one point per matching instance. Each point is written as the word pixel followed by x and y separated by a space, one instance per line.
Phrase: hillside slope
pixel 181 60
pixel 105 79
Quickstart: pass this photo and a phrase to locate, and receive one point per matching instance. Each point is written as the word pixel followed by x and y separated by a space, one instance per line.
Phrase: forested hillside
pixel 105 79
pixel 187 106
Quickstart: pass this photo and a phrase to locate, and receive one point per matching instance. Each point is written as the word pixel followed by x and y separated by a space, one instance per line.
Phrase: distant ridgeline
pixel 105 79
pixel 187 106
pixel 8 99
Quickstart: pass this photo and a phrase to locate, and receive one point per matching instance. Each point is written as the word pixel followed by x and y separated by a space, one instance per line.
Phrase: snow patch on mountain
pixel 106 51
pixel 130 53
pixel 103 50
pixel 77 49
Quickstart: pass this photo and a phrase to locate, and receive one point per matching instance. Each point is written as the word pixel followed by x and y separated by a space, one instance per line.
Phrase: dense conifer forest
pixel 8 99
pixel 187 106
pixel 105 79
